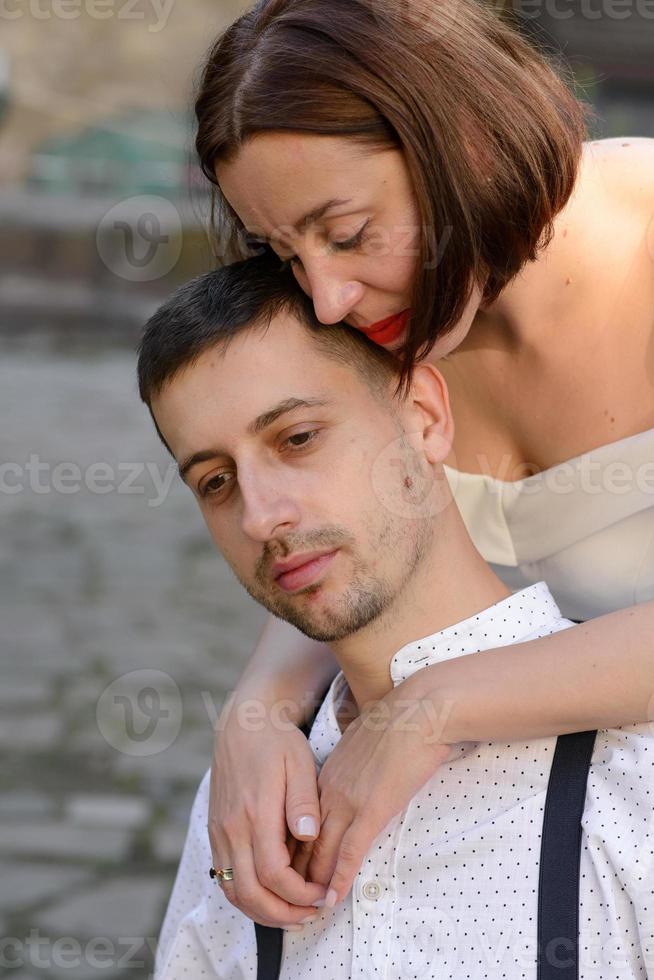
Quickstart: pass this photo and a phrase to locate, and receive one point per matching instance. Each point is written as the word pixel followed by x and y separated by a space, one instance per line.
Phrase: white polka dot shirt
pixel 449 889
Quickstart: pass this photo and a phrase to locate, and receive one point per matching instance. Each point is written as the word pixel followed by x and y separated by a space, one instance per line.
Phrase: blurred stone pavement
pixel 122 631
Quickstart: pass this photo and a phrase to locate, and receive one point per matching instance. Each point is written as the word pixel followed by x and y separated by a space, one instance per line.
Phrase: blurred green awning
pixel 142 152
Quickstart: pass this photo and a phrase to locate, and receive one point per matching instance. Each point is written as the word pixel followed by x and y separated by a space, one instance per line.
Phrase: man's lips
pixel 303 570
pixel 389 330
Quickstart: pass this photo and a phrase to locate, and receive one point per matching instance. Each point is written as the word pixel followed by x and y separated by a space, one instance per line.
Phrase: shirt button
pixel 372 890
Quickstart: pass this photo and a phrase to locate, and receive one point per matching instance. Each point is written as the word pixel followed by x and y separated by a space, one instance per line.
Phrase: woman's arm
pixel 263 777
pixel 599 674
pixel 288 674
pixel 596 675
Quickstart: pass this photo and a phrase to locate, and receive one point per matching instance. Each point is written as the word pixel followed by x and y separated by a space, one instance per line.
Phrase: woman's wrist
pixel 457 700
pixel 284 681
pixel 424 702
pixel 596 675
pixel 260 702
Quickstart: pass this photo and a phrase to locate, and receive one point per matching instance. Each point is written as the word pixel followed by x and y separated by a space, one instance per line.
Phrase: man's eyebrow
pixel 288 405
pixel 310 218
pixel 254 428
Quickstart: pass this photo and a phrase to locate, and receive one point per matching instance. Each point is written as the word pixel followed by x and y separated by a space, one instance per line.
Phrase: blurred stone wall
pixel 74 62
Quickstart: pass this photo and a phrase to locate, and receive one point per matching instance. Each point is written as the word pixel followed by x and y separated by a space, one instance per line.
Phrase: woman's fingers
pixel 354 846
pixel 265 887
pixel 274 870
pixel 302 804
pixel 325 850
pixel 301 856
pixel 247 823
pixel 292 846
pixel 272 858
pixel 302 811
pixel 371 775
pixel 246 893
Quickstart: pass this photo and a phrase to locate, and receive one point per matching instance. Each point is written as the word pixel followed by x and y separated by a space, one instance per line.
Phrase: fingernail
pixel 319 903
pixel 309 918
pixel 330 899
pixel 305 827
pixel 293 928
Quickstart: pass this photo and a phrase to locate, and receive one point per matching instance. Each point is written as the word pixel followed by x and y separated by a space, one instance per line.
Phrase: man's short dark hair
pixel 213 308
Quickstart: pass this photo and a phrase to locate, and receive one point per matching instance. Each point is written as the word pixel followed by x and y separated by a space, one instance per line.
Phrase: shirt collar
pixel 525 613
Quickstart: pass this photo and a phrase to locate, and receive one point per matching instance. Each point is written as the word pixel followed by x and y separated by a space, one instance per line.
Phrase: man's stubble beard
pixel 360 604
pixel 365 599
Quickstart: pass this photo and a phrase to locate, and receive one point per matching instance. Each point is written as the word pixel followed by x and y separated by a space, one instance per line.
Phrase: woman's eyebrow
pixel 309 219
pixel 318 213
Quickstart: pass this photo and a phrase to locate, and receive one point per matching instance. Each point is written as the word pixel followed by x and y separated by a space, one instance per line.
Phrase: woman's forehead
pixel 291 178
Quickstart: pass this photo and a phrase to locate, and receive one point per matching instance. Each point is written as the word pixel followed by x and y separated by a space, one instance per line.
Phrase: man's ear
pixel 429 414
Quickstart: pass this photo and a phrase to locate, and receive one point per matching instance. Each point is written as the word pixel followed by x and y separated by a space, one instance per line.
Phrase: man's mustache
pixel 329 538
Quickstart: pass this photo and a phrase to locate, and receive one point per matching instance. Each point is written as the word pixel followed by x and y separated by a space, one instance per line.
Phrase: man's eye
pixel 215 485
pixel 302 439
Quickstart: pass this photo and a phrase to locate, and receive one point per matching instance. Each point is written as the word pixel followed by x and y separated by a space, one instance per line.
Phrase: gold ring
pixel 223 874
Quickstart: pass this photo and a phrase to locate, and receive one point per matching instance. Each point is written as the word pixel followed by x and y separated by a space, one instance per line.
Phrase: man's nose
pixel 268 510
pixel 334 297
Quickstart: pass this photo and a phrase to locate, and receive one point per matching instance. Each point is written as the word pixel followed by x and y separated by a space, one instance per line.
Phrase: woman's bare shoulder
pixel 626 167
pixel 614 147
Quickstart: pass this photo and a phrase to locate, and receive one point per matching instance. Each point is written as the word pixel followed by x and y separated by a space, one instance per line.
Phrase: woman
pixel 425 173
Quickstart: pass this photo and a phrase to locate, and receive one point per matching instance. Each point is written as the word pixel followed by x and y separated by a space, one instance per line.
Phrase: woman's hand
pixel 383 758
pixel 263 779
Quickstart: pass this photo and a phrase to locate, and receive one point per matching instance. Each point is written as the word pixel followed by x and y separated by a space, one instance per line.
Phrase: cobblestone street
pixel 122 632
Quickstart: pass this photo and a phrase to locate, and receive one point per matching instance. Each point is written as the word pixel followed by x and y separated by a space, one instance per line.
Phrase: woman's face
pixel 344 215
pixel 355 258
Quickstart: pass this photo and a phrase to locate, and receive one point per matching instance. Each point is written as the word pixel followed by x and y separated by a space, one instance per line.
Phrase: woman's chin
pixel 396 345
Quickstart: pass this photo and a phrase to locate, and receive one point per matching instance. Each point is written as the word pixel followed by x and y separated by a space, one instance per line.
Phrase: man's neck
pixel 453 586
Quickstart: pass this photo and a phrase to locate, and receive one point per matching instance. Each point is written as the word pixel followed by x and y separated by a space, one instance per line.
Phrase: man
pixel 323 487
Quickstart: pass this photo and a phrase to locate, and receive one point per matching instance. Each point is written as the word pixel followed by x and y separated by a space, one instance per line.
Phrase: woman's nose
pixel 333 297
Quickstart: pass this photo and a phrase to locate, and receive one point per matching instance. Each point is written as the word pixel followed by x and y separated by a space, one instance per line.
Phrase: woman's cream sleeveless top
pixel 585 526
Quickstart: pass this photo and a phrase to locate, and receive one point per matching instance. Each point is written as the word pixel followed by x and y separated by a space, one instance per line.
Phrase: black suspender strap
pixel 270 942
pixel 558 890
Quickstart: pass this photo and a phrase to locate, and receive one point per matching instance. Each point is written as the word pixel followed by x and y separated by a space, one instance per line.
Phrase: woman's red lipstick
pixel 389 330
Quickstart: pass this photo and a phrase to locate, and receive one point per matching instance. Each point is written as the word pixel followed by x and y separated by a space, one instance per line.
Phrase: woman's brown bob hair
pixel 491 135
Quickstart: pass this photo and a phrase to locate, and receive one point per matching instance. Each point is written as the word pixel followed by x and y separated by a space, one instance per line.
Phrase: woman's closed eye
pixel 351 243
pixel 296 442
pixel 339 246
